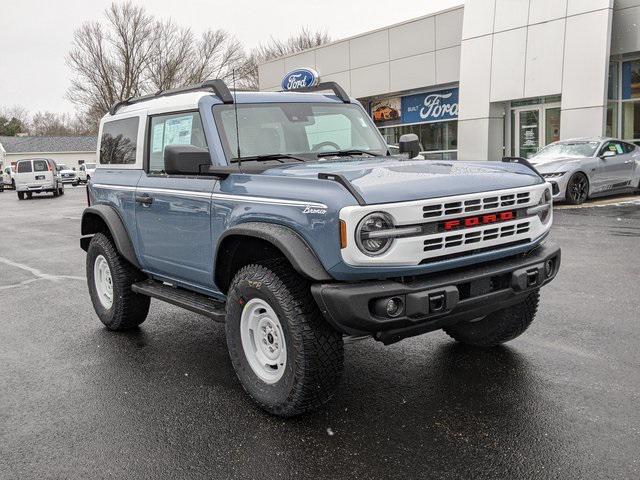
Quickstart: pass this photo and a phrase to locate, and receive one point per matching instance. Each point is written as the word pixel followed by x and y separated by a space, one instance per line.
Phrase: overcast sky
pixel 35 35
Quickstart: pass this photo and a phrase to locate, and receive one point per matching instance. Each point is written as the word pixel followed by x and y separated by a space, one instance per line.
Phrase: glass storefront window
pixel 631 79
pixel 433 136
pixel 631 120
pixel 612 91
pixel 552 125
pixel 612 120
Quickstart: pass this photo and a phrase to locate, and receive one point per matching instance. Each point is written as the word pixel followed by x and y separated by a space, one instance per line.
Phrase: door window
pixel 551 125
pixel 176 129
pixel 529 132
pixel 24 167
pixel 615 147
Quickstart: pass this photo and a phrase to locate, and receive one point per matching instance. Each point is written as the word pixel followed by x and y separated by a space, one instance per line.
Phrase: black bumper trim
pixel 465 294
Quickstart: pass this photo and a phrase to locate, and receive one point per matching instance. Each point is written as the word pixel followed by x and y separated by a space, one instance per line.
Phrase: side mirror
pixel 186 160
pixel 410 144
pixel 607 153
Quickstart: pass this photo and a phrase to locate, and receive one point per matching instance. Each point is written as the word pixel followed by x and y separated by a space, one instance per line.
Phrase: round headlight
pixel 371 237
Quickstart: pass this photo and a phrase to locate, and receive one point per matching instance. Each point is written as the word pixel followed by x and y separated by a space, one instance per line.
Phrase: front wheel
pixel 20 195
pixel 109 278
pixel 577 188
pixel 286 356
pixel 497 327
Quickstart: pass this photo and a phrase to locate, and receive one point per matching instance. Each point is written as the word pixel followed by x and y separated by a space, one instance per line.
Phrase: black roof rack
pixel 218 86
pixel 337 89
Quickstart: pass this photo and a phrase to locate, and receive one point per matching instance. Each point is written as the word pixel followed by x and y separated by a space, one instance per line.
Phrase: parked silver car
pixel 583 168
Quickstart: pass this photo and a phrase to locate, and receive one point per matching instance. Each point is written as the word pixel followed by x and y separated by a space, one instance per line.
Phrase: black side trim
pixel 116 227
pixel 522 161
pixel 295 249
pixel 218 86
pixel 337 89
pixel 342 180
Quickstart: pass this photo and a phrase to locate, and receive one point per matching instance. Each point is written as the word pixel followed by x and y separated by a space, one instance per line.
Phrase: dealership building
pixel 491 78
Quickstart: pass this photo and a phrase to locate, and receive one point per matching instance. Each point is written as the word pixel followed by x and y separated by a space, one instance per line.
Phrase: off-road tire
pixel 20 195
pixel 129 309
pixel 498 327
pixel 315 353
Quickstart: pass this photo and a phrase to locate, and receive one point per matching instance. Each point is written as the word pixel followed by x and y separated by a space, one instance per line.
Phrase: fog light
pixel 549 267
pixel 389 307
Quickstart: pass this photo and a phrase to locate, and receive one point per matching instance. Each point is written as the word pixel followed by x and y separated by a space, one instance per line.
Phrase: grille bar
pixel 476 237
pixel 475 205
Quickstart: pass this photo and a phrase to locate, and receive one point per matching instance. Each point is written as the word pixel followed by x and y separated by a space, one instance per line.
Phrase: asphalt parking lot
pixel 78 401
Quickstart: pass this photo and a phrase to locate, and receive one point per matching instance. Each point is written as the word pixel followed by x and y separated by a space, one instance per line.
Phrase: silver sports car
pixel 588 167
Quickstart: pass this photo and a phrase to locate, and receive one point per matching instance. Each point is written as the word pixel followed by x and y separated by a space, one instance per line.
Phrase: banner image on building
pixel 386 111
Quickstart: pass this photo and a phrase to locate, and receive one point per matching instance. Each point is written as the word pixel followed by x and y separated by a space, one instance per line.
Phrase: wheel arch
pixel 105 219
pixel 253 241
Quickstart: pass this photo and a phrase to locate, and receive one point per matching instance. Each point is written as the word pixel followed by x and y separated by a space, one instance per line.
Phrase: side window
pixel 175 129
pixel 118 142
pixel 628 148
pixel 24 167
pixel 615 147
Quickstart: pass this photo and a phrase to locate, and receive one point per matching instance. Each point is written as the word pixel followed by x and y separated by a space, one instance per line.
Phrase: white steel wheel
pixel 263 340
pixel 103 281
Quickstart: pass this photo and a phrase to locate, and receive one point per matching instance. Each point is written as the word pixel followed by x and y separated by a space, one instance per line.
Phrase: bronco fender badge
pixel 310 209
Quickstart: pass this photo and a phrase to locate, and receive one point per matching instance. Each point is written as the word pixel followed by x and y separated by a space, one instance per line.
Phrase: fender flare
pixel 116 227
pixel 296 250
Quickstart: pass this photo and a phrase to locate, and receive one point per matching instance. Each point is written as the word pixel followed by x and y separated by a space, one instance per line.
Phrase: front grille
pixel 475 205
pixel 444 242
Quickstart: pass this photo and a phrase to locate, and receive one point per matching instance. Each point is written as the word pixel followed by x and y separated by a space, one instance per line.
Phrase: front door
pixel 534 127
pixel 173 212
pixel 614 171
pixel 527 132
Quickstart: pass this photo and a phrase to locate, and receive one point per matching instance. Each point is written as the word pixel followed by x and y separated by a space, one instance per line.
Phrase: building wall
pixel 70 159
pixel 420 53
pixel 534 48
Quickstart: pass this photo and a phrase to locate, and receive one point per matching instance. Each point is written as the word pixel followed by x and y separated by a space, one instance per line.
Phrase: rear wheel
pixel 13 184
pixel 497 327
pixel 286 356
pixel 109 278
pixel 56 192
pixel 61 190
pixel 577 189
pixel 29 195
pixel 20 195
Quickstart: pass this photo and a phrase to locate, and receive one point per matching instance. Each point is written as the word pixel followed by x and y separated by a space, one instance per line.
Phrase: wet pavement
pixel 77 401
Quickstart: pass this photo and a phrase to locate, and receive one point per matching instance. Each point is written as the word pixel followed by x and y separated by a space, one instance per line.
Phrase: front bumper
pixel 437 300
pixel 69 179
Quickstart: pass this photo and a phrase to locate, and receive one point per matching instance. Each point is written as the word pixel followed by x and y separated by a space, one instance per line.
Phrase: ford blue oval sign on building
pixel 300 78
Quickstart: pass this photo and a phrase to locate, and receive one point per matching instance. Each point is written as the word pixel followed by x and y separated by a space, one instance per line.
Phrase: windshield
pixel 62 166
pixel 296 129
pixel 573 149
pixel 89 166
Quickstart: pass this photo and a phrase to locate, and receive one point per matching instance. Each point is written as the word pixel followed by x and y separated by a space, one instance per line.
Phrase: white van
pixel 37 175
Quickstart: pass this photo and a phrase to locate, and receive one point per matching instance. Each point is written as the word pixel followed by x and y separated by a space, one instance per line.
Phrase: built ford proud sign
pixel 300 78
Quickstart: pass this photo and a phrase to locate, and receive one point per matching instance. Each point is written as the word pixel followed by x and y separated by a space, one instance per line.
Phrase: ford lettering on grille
pixel 476 221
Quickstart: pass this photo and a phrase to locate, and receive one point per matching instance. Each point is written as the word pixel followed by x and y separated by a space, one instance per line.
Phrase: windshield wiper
pixel 270 156
pixel 345 153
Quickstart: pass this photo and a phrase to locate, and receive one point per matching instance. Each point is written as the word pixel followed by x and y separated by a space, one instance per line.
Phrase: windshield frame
pixel 596 149
pixel 231 158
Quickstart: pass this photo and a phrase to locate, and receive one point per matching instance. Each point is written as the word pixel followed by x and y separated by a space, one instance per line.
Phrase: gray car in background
pixel 582 168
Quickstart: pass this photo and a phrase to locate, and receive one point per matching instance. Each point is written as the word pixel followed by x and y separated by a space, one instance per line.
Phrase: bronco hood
pixel 387 180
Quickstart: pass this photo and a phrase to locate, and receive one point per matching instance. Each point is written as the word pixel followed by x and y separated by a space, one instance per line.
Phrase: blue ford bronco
pixel 283 215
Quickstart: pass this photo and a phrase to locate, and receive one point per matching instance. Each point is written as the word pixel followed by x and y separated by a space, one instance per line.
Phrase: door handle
pixel 144 199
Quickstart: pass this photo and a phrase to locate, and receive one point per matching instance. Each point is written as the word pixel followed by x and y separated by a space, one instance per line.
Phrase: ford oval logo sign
pixel 300 78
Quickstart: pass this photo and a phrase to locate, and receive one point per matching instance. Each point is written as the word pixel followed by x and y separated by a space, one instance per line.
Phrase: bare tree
pixel 133 53
pixel 303 40
pixel 53 124
pixel 109 62
pixel 179 58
